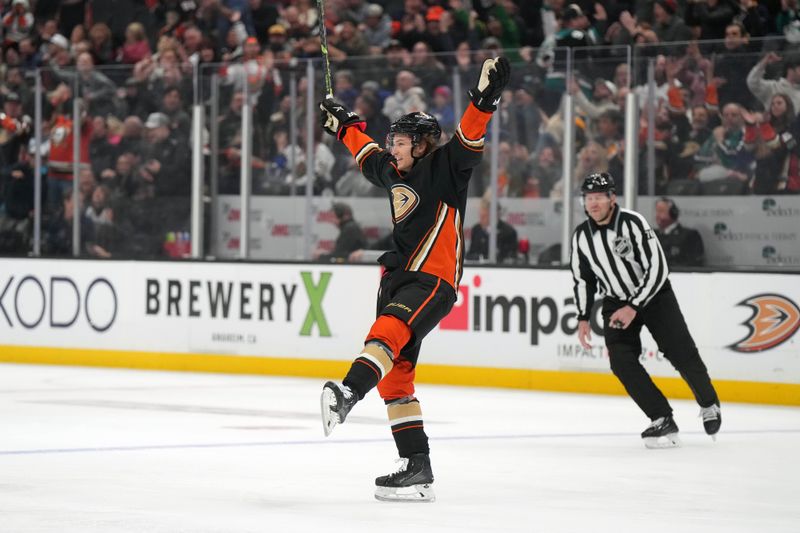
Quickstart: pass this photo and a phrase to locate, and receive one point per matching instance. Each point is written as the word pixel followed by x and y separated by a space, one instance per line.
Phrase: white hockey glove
pixel 336 118
pixel 493 79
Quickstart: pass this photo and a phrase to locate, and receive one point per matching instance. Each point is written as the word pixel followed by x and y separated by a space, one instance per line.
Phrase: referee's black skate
pixel 662 433
pixel 335 403
pixel 413 482
pixel 712 419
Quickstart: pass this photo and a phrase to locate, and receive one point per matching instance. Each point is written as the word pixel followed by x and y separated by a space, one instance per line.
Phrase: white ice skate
pixel 413 482
pixel 335 403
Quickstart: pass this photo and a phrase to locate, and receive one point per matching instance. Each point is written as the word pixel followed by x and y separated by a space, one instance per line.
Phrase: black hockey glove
pixel 493 79
pixel 336 118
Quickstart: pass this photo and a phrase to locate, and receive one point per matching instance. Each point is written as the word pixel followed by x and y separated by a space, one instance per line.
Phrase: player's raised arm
pixel 349 128
pixel 467 143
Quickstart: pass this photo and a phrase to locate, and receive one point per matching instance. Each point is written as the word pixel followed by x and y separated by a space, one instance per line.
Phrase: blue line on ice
pixel 353 441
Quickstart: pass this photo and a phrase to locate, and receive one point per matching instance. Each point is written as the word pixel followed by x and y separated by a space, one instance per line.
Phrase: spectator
pixel 323 163
pixel 172 106
pixel 764 89
pixel 95 89
pixel 135 48
pixel 344 87
pixel 132 138
pixel 368 109
pixel 102 45
pixel 58 54
pixel 16 83
pixel 770 137
pixel 349 40
pixel 278 40
pixel 406 99
pixel 262 14
pixel 726 149
pixel 350 238
pixel 683 246
pixel 18 196
pixel 15 129
pixel 352 182
pixel 86 185
pixel 733 59
pixel 429 71
pixel 524 117
pixel 60 163
pixel 711 16
pixel 166 159
pixel 442 108
pixel 17 23
pixel 102 153
pixel 436 34
pixel 297 29
pixel 684 165
pixel 669 27
pixel 58 232
pixel 376 28
pixel 518 170
pixel 545 172
pixel 384 68
pixel 29 56
pixel 610 135
pixel 479 240
pixel 99 210
pixel 354 9
pixel 76 37
pixel 603 95
pixel 591 159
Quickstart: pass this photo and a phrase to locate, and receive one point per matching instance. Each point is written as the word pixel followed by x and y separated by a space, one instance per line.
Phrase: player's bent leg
pixel 387 337
pixel 337 400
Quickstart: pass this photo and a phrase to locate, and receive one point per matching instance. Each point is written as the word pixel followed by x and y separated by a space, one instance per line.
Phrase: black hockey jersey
pixel 428 201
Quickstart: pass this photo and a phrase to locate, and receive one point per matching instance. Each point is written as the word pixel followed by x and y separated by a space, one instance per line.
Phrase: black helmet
pixel 599 182
pixel 416 124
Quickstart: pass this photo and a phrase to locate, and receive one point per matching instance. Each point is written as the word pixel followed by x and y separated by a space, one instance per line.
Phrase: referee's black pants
pixel 666 324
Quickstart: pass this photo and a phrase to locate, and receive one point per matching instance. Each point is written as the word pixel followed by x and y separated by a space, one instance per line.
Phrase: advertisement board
pixel 745 325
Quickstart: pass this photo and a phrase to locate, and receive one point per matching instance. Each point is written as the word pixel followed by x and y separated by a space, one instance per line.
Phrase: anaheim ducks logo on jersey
pixel 404 201
pixel 774 320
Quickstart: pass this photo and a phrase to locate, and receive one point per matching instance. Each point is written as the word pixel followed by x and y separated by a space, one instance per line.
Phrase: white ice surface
pixel 96 450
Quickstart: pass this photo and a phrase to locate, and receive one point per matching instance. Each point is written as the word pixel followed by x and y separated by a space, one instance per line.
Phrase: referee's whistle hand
pixel 622 317
pixel 584 334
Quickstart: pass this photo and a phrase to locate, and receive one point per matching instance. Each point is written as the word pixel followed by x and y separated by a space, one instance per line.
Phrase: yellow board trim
pixel 547 380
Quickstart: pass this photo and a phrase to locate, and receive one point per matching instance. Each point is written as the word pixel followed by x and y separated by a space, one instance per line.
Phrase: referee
pixel 616 254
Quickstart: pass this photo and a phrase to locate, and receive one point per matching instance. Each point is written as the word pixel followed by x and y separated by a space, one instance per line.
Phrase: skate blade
pixel 414 493
pixel 328 400
pixel 667 441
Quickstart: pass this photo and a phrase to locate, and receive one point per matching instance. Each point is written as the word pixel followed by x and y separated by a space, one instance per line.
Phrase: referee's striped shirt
pixel 622 259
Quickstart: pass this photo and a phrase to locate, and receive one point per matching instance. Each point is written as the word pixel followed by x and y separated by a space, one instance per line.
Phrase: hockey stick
pixel 323 44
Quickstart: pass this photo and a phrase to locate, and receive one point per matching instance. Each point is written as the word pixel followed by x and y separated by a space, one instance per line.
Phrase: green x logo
pixel 315 314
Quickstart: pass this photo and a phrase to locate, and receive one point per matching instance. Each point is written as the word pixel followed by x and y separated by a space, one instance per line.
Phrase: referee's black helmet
pixel 599 182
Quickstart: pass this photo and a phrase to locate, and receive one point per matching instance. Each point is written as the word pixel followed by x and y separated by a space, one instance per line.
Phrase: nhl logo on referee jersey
pixel 622 246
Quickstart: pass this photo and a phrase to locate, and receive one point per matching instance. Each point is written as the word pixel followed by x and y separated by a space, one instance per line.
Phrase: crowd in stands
pixel 726 118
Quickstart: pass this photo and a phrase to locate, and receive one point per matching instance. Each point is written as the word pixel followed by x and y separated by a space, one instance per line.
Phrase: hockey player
pixel 427 189
pixel 616 249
